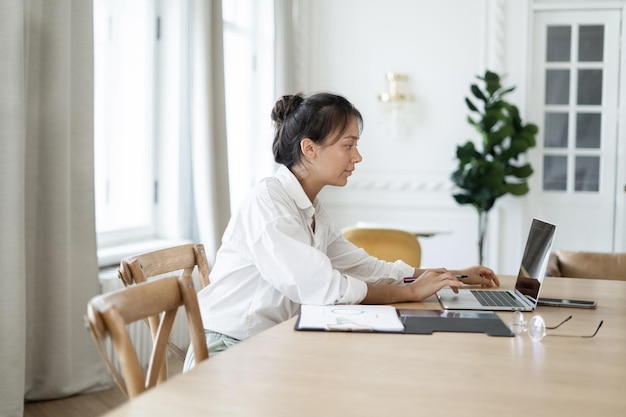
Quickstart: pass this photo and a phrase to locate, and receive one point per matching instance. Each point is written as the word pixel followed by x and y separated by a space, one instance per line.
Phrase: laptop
pixel 527 286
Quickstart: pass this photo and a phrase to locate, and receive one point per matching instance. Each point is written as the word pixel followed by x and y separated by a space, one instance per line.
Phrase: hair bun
pixel 285 106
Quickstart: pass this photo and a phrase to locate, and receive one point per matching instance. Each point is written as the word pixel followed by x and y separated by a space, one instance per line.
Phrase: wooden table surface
pixel 283 372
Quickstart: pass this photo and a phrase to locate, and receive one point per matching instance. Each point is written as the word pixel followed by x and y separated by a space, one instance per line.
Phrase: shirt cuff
pixel 356 291
pixel 401 270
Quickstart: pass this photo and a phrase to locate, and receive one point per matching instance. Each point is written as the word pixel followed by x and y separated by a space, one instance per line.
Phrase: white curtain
pixel 48 244
pixel 285 15
pixel 291 30
pixel 208 125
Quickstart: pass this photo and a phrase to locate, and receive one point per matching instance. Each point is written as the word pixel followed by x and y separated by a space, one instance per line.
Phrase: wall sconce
pixel 398 105
pixel 395 85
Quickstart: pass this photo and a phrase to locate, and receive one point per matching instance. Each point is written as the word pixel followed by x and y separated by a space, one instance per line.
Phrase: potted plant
pixel 496 168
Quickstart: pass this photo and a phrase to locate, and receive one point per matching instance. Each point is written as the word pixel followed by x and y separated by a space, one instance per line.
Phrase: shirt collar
pixel 293 187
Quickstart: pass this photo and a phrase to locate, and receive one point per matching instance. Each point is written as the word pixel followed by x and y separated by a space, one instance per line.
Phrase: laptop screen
pixel 533 267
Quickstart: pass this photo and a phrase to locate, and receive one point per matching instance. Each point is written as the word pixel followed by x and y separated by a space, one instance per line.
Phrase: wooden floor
pixel 85 405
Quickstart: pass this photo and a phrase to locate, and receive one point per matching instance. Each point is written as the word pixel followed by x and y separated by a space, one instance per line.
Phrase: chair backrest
pixel 184 258
pixel 575 264
pixel 139 268
pixel 386 244
pixel 108 316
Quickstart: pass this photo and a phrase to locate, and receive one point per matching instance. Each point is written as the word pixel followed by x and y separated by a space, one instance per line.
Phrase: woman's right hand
pixel 426 284
pixel 431 281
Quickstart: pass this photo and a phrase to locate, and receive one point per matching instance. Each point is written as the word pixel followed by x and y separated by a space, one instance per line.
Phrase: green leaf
pixel 492 80
pixel 491 76
pixel 468 149
pixel 524 171
pixel 471 121
pixel 478 93
pixel 531 128
pixel 470 105
pixel 517 189
pixel 507 91
pixel 463 199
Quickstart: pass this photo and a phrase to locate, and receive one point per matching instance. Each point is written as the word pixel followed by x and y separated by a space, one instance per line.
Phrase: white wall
pixel 403 180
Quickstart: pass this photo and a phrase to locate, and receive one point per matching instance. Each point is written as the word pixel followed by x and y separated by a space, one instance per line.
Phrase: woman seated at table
pixel 281 249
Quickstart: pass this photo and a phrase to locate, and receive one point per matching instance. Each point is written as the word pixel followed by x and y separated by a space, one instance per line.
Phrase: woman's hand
pixel 479 275
pixel 432 280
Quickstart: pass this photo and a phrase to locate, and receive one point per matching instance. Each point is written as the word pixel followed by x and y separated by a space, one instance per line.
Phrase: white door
pixel 574 101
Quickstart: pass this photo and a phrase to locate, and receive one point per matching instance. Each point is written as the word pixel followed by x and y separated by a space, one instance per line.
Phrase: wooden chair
pixel 386 244
pixel 184 258
pixel 139 268
pixel 109 314
pixel 574 264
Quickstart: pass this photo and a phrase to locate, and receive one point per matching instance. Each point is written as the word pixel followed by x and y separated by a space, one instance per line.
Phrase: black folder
pixel 429 321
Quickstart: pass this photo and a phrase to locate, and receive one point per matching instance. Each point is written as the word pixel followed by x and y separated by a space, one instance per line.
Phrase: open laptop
pixel 529 279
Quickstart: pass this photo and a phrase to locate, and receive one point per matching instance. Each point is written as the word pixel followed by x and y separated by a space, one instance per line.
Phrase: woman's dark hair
pixel 297 117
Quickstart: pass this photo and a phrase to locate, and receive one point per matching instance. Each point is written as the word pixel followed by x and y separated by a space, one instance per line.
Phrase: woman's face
pixel 336 161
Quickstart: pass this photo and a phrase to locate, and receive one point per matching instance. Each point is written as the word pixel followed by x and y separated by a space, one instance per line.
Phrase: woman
pixel 281 250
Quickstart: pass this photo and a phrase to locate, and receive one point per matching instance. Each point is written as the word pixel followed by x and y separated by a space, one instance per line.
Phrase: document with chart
pixel 357 318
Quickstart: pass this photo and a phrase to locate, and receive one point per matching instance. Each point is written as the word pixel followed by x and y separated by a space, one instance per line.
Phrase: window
pixel 249 69
pixel 124 146
pixel 142 64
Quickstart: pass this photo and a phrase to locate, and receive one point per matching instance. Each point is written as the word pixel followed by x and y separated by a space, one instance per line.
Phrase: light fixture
pixel 396 85
pixel 397 105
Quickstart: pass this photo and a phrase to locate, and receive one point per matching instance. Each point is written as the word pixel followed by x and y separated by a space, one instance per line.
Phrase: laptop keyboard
pixel 496 298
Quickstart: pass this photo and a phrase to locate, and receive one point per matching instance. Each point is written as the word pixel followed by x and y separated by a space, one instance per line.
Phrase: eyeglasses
pixel 536 327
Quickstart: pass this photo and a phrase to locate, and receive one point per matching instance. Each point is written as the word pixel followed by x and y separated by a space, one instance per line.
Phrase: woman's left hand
pixel 479 275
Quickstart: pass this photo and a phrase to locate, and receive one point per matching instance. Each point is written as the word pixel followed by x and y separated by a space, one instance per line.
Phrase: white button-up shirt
pixel 271 261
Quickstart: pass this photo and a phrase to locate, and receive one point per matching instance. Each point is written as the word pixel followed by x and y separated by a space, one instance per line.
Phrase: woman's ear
pixel 308 148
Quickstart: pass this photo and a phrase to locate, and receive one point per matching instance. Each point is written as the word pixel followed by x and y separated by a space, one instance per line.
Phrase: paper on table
pixel 375 318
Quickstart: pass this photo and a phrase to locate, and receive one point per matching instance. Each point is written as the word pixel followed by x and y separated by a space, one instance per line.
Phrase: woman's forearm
pixel 387 294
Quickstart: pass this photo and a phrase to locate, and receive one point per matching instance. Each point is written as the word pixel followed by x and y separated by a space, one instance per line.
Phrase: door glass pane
pixel 587 176
pixel 556 130
pixel 559 43
pixel 590 86
pixel 588 130
pixel 591 43
pixel 557 86
pixel 554 173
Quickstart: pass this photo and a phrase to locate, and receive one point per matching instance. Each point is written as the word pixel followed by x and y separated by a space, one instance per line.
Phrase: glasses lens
pixel 536 328
pixel 517 323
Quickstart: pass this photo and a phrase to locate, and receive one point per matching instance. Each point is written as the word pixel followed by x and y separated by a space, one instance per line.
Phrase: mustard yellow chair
pixel 573 264
pixel 386 244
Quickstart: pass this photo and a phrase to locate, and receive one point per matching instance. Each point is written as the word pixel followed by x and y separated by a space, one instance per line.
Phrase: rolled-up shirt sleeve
pixel 354 261
pixel 300 271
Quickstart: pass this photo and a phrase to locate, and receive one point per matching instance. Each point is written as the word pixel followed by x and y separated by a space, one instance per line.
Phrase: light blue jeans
pixel 215 342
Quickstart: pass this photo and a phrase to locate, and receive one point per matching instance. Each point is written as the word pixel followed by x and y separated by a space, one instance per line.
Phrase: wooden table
pixel 282 372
